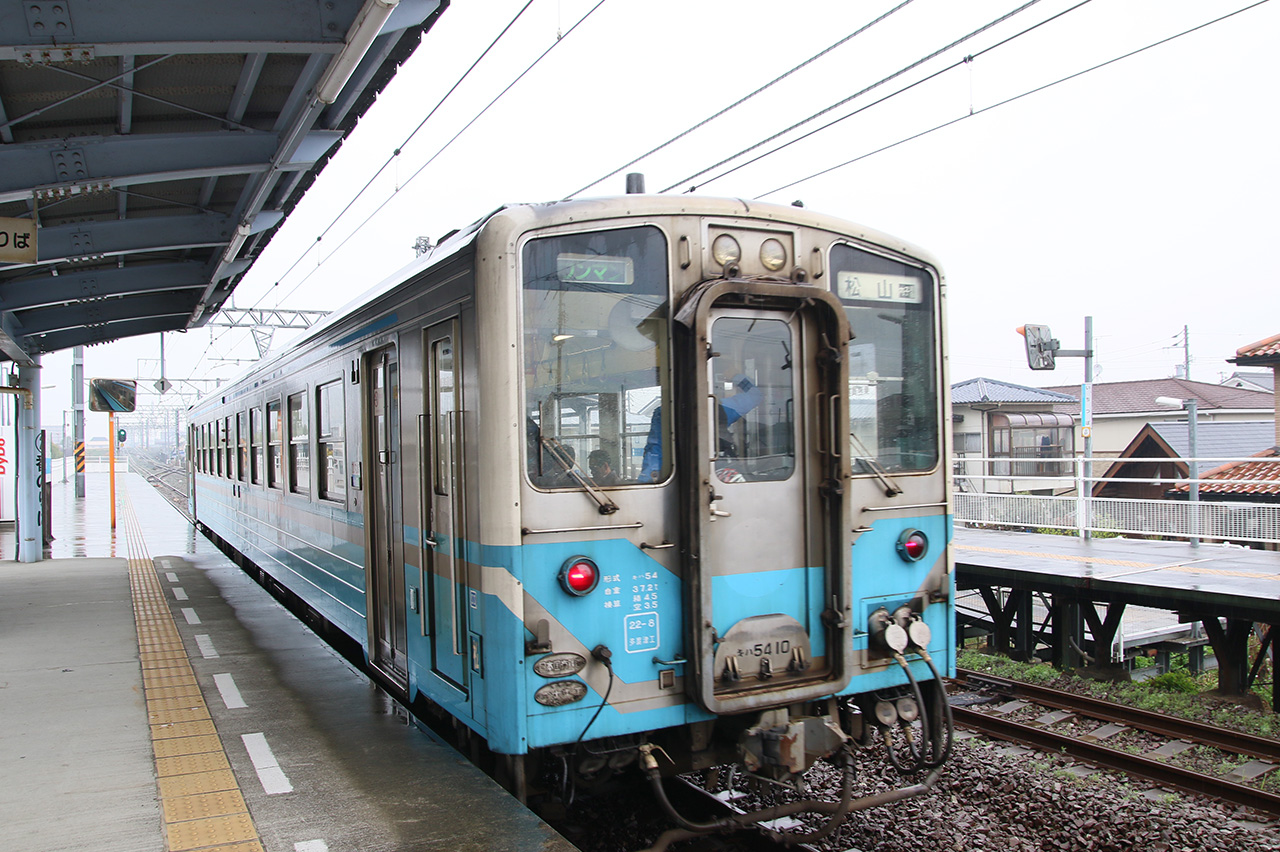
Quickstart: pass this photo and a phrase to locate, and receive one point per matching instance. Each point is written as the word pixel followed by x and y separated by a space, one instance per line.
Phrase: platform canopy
pixel 149 149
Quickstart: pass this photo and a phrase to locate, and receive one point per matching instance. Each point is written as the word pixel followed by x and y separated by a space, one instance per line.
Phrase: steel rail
pixel 1160 772
pixel 1172 727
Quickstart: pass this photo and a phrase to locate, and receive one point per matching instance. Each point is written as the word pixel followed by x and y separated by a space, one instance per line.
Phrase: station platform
pixel 154 697
pixel 1227 589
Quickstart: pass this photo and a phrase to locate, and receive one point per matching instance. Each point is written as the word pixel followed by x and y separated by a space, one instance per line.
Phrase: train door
pixel 386 586
pixel 445 565
pixel 770 574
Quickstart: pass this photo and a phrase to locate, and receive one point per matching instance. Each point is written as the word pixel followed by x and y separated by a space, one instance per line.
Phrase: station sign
pixel 114 395
pixel 17 240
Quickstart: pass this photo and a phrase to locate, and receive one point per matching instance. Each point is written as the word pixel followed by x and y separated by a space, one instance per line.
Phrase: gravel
pixel 991 796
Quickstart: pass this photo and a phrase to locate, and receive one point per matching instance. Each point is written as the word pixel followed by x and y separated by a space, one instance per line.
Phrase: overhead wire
pixel 1008 101
pixel 399 148
pixel 741 100
pixel 560 39
pixel 505 30
pixel 860 93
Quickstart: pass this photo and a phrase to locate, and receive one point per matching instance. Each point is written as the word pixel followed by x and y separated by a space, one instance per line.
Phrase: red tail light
pixel 579 576
pixel 913 545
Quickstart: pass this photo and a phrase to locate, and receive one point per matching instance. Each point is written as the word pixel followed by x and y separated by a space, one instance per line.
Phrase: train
pixel 632 484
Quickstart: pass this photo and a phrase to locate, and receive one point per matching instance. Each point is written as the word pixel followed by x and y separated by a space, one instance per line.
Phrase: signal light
pixel 579 576
pixel 913 545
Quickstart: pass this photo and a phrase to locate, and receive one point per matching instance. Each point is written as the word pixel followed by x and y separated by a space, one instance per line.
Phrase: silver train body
pixel 614 478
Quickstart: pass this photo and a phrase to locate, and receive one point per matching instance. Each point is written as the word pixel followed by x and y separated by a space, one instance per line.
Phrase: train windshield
pixel 893 373
pixel 596 371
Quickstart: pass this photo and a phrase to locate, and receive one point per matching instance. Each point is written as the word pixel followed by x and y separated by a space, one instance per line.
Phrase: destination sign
pixel 879 287
pixel 595 269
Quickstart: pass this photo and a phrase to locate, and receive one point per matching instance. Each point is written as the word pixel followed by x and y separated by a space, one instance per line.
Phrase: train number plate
pixel 761 648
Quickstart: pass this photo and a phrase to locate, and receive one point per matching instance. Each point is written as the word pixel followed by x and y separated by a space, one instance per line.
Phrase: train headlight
pixel 579 576
pixel 725 250
pixel 913 545
pixel 773 254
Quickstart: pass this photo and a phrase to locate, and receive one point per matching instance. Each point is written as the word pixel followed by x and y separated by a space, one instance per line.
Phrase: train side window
pixel 275 440
pixel 442 391
pixel 256 448
pixel 220 436
pixel 229 444
pixel 242 447
pixel 299 444
pixel 331 447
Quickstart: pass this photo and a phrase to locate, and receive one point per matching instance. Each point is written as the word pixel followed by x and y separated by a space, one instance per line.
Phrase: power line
pixel 401 146
pixel 381 169
pixel 859 94
pixel 446 145
pixel 1008 101
pixel 740 101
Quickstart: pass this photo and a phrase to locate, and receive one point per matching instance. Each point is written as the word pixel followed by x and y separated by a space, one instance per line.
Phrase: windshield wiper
pixel 891 488
pixel 558 452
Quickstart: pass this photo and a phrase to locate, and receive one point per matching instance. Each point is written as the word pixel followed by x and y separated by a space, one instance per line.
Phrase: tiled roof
pixel 1245 477
pixel 989 390
pixel 1263 348
pixel 1140 396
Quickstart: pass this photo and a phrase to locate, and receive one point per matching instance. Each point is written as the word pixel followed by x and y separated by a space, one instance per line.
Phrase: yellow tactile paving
pixel 203 806
pixel 202 803
pixel 183 729
pixel 215 831
pixel 1123 563
pixel 200 782
pixel 174 746
pixel 190 764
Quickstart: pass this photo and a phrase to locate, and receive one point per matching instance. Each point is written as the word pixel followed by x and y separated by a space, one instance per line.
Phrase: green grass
pixel 1175 693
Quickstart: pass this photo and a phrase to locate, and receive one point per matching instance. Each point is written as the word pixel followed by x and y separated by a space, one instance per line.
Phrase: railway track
pixel 1106 744
pixel 163 477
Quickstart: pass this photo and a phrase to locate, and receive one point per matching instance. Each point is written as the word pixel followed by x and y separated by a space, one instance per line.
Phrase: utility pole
pixel 77 414
pixel 1186 353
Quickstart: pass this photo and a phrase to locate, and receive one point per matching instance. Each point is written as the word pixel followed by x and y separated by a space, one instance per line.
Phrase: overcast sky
pixel 1143 193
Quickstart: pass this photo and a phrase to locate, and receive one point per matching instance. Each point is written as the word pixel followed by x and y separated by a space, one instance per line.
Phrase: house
pixel 1122 409
pixel 1016 429
pixel 1159 449
pixel 1253 487
pixel 1264 353
pixel 1251 381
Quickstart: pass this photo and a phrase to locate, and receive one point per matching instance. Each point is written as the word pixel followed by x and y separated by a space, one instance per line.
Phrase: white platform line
pixel 205 644
pixel 230 693
pixel 190 615
pixel 311 846
pixel 269 772
pixel 171 577
pixel 180 593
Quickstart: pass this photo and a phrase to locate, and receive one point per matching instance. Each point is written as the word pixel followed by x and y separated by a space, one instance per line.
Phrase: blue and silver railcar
pixel 621 477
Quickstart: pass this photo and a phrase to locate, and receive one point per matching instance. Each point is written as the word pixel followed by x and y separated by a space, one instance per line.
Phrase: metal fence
pixel 1066 503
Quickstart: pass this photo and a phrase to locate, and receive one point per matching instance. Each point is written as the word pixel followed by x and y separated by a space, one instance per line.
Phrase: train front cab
pixel 802 530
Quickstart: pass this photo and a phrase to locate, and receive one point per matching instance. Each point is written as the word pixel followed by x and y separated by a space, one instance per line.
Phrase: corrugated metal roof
pixel 1217 439
pixel 1140 396
pixel 157 148
pixel 982 390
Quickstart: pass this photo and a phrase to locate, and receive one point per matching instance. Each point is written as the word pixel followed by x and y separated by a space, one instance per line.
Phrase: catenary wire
pixel 396 153
pixel 445 147
pixel 859 94
pixel 1013 99
pixel 559 38
pixel 740 101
